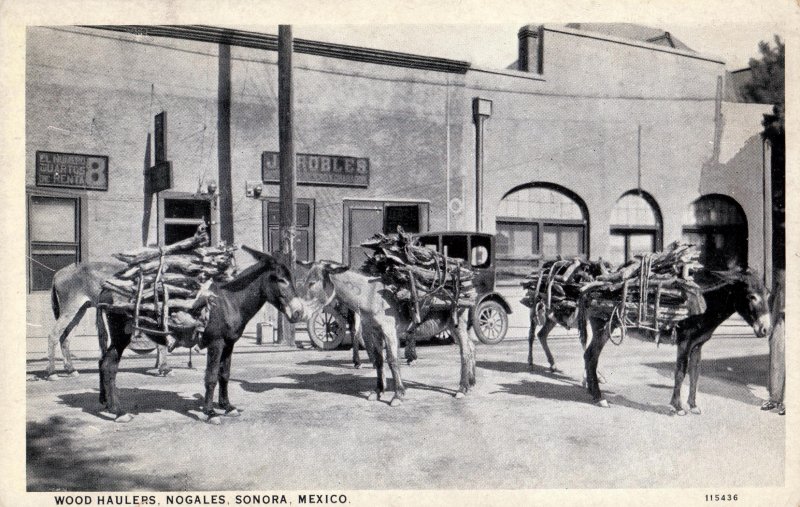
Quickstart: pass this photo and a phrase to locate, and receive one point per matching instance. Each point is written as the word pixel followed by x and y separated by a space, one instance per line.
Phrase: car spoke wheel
pixel 326 329
pixel 490 322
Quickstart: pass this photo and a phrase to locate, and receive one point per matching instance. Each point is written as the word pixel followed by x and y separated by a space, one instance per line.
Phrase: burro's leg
pixel 695 352
pixel 212 374
pixel 467 353
pixel 162 361
pixel 681 364
pixel 356 334
pixel 113 327
pixel 543 333
pixel 377 343
pixel 71 315
pixel 591 357
pixel 390 332
pixel 224 377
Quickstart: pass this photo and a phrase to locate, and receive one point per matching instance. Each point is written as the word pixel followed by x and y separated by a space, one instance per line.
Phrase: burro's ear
pixel 305 264
pixel 257 254
pixel 334 268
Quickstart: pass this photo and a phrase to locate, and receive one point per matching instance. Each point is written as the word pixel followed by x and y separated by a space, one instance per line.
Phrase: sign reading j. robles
pixel 71 170
pixel 311 169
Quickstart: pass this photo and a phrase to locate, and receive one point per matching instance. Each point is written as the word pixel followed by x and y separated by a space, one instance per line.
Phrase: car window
pixel 455 247
pixel 479 251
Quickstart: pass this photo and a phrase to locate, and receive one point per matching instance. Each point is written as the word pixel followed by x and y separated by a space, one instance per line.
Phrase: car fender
pixel 494 296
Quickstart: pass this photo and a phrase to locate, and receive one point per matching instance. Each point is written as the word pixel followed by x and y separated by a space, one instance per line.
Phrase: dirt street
pixel 305 422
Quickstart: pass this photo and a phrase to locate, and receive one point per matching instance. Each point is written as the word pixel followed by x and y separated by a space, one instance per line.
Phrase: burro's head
pixel 275 284
pixel 317 290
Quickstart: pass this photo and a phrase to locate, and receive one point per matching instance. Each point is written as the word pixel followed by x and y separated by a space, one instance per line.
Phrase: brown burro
pixel 233 305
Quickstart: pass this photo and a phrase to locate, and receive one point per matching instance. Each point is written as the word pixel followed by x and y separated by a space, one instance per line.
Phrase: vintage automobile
pixel 328 328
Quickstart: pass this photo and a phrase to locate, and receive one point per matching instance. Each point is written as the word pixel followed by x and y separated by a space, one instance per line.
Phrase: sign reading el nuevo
pixel 71 170
pixel 311 169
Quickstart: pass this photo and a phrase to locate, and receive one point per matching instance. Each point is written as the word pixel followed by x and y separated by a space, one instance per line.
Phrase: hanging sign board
pixel 160 176
pixel 330 170
pixel 71 170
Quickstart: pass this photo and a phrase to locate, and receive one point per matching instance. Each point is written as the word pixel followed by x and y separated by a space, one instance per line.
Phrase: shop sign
pixel 71 170
pixel 332 170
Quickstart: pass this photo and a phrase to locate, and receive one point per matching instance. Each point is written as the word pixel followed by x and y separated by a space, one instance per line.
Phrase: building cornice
pixel 268 42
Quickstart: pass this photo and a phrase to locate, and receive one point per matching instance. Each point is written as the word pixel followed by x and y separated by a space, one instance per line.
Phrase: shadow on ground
pixel 345 384
pixel 520 367
pixel 549 391
pixel 55 464
pixel 726 377
pixel 135 401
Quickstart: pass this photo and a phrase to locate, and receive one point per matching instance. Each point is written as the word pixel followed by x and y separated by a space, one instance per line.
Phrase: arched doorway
pixel 718 226
pixel 635 227
pixel 538 222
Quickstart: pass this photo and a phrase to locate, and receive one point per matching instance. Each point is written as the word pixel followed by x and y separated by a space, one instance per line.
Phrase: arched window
pixel 635 226
pixel 718 226
pixel 539 222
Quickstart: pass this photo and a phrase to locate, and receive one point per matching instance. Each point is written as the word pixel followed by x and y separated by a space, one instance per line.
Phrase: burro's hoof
pixel 233 413
pixel 412 362
pixel 124 418
pixel 555 369
pixel 166 373
pixel 73 373
pixel 215 420
pixel 603 403
pixel 357 366
pixel 695 410
pixel 373 396
pixel 460 394
pixel 52 377
pixel 678 411
pixel 396 402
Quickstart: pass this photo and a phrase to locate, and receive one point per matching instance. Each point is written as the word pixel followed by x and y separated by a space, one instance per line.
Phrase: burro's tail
pixel 54 302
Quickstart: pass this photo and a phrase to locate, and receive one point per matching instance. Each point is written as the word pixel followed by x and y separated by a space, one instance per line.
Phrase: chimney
pixel 531 49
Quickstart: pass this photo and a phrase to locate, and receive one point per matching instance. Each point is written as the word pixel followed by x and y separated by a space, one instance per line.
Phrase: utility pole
pixel 287 170
pixel 224 145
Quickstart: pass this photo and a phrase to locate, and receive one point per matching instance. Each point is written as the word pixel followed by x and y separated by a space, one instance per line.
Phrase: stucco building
pixel 593 144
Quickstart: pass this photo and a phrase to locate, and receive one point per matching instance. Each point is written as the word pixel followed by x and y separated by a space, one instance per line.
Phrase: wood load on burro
pixel 166 290
pixel 419 278
pixel 653 292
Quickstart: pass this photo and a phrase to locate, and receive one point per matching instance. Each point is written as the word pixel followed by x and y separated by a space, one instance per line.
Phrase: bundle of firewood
pixel 419 276
pixel 654 292
pixel 165 289
pixel 555 288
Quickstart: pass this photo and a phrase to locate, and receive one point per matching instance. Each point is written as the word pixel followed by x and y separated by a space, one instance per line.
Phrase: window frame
pixel 81 237
pixel 213 232
pixel 424 208
pixel 540 226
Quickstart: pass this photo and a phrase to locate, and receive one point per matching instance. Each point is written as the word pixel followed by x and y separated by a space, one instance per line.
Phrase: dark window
pixel 455 247
pixel 304 239
pixel 183 216
pixel 54 235
pixel 405 216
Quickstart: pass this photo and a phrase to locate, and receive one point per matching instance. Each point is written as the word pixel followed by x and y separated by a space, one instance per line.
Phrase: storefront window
pixel 54 237
pixel 717 225
pixel 180 217
pixel 635 227
pixel 405 216
pixel 538 223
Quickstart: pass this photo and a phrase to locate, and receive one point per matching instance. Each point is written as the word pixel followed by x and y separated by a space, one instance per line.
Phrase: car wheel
pixel 490 322
pixel 326 329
